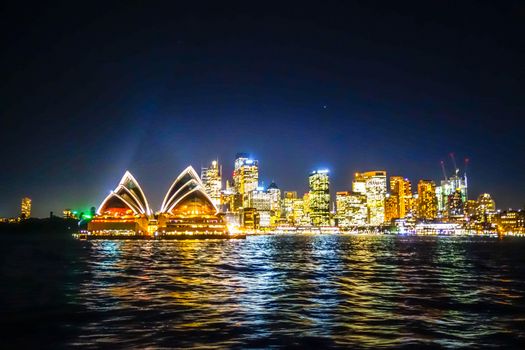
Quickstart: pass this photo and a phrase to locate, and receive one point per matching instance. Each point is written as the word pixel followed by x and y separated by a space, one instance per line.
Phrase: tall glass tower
pixel 319 197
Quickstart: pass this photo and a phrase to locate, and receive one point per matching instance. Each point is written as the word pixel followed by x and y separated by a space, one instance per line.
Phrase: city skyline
pixel 349 87
pixel 301 186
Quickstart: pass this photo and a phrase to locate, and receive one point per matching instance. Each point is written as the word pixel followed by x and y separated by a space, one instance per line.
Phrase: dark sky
pixel 88 91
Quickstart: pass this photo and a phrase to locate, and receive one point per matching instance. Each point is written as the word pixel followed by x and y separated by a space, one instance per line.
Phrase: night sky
pixel 88 91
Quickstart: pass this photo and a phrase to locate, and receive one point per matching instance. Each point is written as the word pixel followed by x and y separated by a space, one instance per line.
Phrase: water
pixel 266 291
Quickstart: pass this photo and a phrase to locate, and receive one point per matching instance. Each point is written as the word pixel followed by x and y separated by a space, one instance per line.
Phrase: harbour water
pixel 284 291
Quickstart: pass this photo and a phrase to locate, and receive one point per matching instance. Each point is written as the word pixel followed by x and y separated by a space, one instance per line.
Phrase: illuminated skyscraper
pixel 259 199
pixel 275 202
pixel 447 191
pixel 455 204
pixel 485 208
pixel 319 198
pixel 427 200
pixel 298 212
pixel 212 180
pixel 391 208
pixel 398 204
pixel 275 195
pixel 373 185
pixel 359 183
pixel 306 210
pixel 25 208
pixel 485 205
pixel 245 174
pixel 351 209
pixel 288 204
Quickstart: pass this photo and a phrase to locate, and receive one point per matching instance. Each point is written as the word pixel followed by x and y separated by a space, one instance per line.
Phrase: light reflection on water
pixel 324 291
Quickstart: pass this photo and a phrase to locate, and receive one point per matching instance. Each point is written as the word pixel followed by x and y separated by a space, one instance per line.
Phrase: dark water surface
pixel 266 291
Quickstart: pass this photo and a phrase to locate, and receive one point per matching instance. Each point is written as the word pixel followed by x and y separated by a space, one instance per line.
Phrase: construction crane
pixel 456 170
pixel 444 171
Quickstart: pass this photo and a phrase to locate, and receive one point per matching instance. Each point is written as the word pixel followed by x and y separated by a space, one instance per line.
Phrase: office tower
pixel 485 208
pixel 25 208
pixel 275 203
pixel 485 205
pixel 212 181
pixel 470 208
pixel 305 220
pixel 319 198
pixel 298 212
pixel 447 191
pixel 288 205
pixel 455 204
pixel 245 174
pixel 275 195
pixel 427 200
pixel 391 208
pixel 351 209
pixel 359 183
pixel 373 185
pixel 401 190
pixel 259 199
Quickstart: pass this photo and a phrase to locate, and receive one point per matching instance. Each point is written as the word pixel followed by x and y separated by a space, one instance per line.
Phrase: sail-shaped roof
pixel 187 186
pixel 128 194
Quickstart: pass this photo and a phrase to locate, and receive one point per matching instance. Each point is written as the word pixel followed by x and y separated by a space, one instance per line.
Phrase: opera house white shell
pixel 186 210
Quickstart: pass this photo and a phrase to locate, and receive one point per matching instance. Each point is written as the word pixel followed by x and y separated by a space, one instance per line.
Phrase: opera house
pixel 186 211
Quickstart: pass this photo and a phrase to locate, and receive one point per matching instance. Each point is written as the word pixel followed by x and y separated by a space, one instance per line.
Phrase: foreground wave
pixel 324 291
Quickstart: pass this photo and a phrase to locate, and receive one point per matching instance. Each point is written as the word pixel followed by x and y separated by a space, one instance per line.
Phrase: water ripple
pixel 294 292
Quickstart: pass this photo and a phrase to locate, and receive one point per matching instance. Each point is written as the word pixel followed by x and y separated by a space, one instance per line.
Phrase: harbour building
pixel 187 210
pixel 319 198
pixel 124 211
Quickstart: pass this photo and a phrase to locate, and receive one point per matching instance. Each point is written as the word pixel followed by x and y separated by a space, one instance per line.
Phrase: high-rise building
pixel 401 190
pixel 427 200
pixel 212 179
pixel 25 208
pixel 275 203
pixel 288 205
pixel 319 197
pixel 446 192
pixel 259 199
pixel 306 210
pixel 455 204
pixel 485 208
pixel 351 209
pixel 391 207
pixel 275 195
pixel 486 205
pixel 359 183
pixel 470 208
pixel 373 185
pixel 245 174
pixel 298 211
